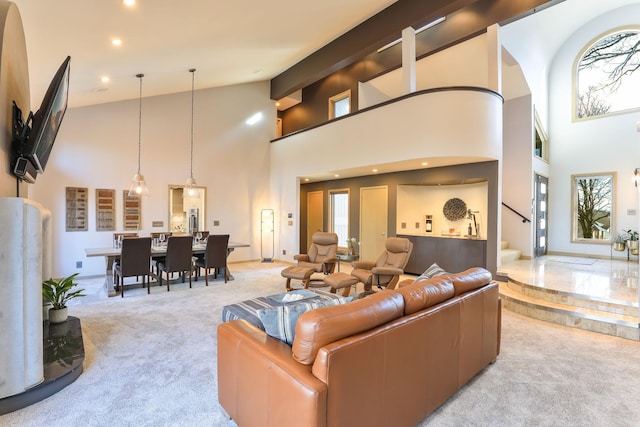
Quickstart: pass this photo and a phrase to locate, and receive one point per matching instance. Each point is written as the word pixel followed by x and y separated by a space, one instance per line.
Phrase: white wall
pixel 464 64
pixel 517 172
pixel 97 147
pixel 464 126
pixel 416 201
pixel 590 146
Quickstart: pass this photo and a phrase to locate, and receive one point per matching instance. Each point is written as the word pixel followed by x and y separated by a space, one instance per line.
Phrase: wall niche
pixel 415 202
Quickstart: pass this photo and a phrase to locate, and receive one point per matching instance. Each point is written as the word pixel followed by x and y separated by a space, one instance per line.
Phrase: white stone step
pixel 606 320
pixel 509 255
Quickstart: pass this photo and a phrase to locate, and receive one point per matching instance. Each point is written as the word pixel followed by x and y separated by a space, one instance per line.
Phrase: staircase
pixel 616 318
pixel 507 254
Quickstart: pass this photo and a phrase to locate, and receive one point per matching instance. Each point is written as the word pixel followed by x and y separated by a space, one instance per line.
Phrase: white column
pixel 21 268
pixel 494 55
pixel 408 60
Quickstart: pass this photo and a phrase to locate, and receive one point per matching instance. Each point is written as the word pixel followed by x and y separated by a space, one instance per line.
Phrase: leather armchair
pixel 321 255
pixel 386 270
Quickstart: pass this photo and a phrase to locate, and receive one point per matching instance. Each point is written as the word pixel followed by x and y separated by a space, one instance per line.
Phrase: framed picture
pixel 132 211
pixel 105 209
pixel 76 208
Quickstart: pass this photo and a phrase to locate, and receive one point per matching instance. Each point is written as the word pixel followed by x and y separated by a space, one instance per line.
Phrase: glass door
pixel 542 186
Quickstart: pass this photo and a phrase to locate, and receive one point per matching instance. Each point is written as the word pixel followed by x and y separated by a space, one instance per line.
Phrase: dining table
pixel 111 254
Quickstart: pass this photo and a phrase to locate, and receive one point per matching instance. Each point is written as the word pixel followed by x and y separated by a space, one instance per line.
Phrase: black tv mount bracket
pixel 20 129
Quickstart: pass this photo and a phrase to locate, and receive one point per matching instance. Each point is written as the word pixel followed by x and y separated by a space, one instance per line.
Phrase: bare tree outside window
pixel 593 207
pixel 606 75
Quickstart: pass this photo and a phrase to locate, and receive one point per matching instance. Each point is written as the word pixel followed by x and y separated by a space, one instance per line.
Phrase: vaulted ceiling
pixel 227 42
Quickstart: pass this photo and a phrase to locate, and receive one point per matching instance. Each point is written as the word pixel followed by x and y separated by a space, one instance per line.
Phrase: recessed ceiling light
pixel 374 170
pixel 105 79
pixel 306 180
pixel 129 2
pixel 336 176
pixel 424 163
pixel 116 42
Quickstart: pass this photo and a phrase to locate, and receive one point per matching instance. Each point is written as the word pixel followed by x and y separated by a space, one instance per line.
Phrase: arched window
pixel 607 76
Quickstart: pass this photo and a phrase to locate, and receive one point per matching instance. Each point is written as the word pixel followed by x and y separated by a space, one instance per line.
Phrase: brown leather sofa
pixel 389 359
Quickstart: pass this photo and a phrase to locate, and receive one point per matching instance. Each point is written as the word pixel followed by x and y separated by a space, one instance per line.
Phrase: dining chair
pixel 117 242
pixel 203 234
pixel 155 236
pixel 177 259
pixel 215 257
pixel 134 261
pixel 118 237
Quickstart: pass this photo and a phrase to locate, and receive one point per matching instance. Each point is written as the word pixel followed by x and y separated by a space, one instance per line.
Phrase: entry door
pixel 542 187
pixel 315 214
pixel 373 221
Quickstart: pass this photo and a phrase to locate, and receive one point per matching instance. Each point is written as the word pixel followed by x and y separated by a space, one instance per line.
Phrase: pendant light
pixel 138 184
pixel 191 189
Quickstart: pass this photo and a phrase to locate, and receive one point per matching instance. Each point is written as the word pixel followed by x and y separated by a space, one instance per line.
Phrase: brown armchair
pixel 321 255
pixel 387 269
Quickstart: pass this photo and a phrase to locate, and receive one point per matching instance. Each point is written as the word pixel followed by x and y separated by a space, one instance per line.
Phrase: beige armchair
pixel 387 269
pixel 321 255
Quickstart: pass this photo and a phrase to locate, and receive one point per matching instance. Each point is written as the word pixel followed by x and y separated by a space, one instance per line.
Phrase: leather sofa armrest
pixel 301 257
pixel 254 367
pixel 364 265
pixel 387 271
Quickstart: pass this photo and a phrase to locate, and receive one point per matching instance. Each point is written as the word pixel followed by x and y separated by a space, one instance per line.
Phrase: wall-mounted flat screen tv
pixel 33 139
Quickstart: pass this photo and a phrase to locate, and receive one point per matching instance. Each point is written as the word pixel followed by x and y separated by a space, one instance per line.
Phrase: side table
pixel 344 256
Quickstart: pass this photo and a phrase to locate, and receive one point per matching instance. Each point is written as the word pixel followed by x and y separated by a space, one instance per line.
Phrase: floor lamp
pixel 266 236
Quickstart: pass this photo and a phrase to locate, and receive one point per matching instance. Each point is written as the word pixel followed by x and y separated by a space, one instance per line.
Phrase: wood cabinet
pixel 452 254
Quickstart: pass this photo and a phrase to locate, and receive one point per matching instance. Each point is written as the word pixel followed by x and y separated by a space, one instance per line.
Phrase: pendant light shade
pixel 138 185
pixel 190 188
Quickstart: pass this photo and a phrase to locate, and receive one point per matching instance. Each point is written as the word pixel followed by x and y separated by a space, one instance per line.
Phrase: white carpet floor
pixel 151 361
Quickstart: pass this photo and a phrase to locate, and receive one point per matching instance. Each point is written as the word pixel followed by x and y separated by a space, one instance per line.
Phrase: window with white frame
pixel 339 209
pixel 340 104
pixel 607 77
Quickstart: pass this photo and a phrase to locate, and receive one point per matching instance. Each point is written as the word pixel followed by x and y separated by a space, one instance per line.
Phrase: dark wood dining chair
pixel 177 259
pixel 203 234
pixel 215 257
pixel 117 241
pixel 134 260
pixel 156 235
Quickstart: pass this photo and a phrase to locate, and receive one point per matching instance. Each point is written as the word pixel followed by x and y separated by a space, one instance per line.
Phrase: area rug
pixel 151 361
pixel 571 260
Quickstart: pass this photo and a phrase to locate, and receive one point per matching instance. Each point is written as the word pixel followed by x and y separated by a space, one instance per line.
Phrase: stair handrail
pixel 524 218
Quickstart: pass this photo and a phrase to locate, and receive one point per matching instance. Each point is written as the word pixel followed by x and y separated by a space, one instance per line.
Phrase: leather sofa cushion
pixel 470 279
pixel 317 328
pixel 426 293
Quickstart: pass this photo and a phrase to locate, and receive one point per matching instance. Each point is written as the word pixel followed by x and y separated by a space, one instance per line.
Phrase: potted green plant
pixel 58 293
pixel 618 242
pixel 632 241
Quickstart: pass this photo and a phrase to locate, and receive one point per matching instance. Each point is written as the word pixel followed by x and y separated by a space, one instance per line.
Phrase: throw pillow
pixel 280 321
pixel 433 271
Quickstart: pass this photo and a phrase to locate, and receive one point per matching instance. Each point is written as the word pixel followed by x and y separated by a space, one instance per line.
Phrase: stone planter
pixel 58 316
pixel 46 306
